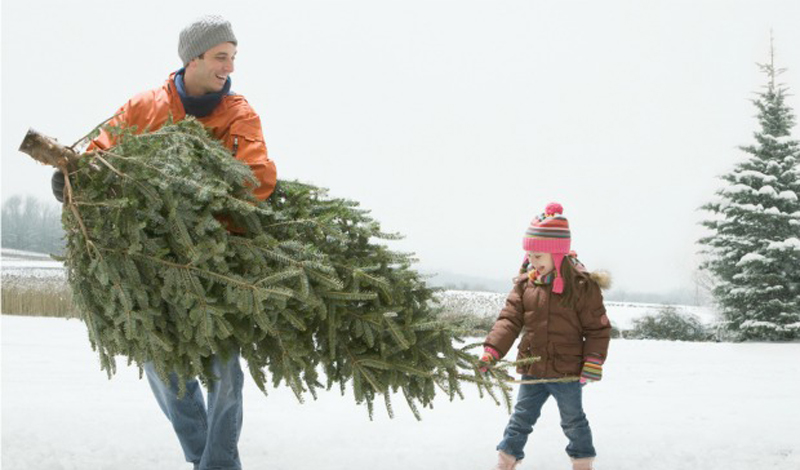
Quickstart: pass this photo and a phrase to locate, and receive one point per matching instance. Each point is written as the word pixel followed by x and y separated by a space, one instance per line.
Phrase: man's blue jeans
pixel 209 437
pixel 528 408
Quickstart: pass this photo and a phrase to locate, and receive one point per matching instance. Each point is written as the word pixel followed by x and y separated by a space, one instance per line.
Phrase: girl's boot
pixel 505 461
pixel 582 464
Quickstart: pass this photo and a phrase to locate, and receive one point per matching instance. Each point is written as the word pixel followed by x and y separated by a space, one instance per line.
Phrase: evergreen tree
pixel 305 291
pixel 754 249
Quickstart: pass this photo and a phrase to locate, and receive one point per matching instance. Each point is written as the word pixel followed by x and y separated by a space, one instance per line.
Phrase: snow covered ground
pixel 30 270
pixel 26 260
pixel 660 406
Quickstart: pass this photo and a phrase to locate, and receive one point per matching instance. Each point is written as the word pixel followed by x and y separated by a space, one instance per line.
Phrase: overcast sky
pixel 454 122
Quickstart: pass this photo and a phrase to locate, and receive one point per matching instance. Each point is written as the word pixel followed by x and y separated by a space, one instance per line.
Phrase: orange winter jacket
pixel 233 122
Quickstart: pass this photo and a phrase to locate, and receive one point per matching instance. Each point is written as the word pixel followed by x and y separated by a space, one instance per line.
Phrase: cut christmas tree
pixel 171 260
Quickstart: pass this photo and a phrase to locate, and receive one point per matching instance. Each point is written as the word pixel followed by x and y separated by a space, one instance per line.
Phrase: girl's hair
pixel 572 288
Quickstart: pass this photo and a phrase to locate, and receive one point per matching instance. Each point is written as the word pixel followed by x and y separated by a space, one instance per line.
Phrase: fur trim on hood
pixel 602 278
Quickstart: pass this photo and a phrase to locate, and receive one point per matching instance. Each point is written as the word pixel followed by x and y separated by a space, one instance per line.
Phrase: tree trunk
pixel 47 150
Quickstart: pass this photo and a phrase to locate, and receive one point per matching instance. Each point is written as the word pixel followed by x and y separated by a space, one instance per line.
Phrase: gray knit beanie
pixel 203 34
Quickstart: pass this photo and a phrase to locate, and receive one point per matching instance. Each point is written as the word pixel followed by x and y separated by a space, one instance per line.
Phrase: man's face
pixel 209 73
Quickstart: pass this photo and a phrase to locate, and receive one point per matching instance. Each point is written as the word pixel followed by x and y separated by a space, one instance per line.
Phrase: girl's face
pixel 542 262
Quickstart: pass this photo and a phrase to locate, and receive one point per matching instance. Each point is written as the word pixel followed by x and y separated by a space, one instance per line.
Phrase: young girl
pixel 560 307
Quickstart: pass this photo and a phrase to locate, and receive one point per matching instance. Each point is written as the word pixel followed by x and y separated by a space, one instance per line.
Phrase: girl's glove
pixel 490 356
pixel 592 369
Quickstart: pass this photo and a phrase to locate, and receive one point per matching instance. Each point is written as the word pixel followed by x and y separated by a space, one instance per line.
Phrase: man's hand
pixel 489 357
pixel 57 185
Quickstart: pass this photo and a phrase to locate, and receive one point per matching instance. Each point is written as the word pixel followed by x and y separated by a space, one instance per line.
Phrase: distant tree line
pixel 698 294
pixel 32 225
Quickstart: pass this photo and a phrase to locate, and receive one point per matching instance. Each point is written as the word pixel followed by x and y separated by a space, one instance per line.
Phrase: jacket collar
pixel 198 106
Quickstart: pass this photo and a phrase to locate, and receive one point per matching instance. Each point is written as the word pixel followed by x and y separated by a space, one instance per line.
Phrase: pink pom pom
pixel 554 208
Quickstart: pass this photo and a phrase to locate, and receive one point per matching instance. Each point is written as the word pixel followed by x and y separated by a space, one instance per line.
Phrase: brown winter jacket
pixel 562 337
pixel 233 122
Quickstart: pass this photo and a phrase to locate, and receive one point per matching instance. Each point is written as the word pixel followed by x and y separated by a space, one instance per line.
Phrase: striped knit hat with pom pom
pixel 549 233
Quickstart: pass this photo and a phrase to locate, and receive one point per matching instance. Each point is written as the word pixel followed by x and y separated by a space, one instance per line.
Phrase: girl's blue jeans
pixel 209 436
pixel 528 408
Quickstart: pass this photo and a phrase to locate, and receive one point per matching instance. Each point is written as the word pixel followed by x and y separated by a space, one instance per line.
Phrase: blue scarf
pixel 200 106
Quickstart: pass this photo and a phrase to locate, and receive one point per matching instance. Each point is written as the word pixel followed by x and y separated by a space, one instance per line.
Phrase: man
pixel 207 47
